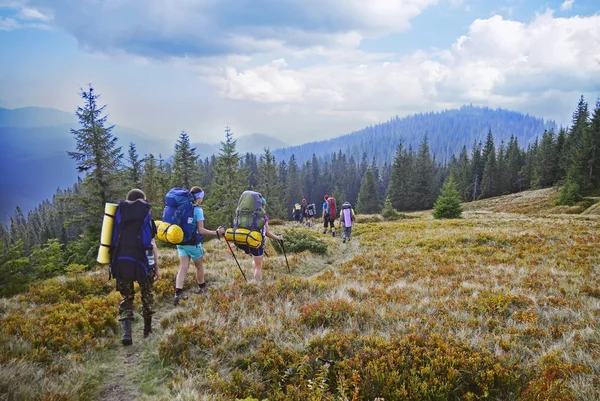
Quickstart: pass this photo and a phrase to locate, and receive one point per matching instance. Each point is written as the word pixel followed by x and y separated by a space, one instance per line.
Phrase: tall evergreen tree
pixel 594 156
pixel 489 184
pixel 185 168
pixel 269 185
pixel 447 205
pixel 98 157
pixel 134 171
pixel 230 181
pixel 544 167
pixel 293 191
pixel 423 185
pixel 398 190
pixel 368 199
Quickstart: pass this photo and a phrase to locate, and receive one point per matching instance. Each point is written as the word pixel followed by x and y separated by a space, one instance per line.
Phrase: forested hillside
pixel 448 132
pixel 66 229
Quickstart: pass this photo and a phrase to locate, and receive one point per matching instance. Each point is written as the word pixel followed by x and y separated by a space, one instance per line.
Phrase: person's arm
pixel 271 235
pixel 204 231
pixel 155 253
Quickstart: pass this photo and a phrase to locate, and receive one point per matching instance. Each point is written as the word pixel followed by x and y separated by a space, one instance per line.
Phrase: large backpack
pixel 297 207
pixel 332 208
pixel 248 223
pixel 133 231
pixel 179 210
pixel 310 210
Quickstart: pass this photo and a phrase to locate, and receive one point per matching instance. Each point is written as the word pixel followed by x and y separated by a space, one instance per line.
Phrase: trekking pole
pixel 236 261
pixel 286 261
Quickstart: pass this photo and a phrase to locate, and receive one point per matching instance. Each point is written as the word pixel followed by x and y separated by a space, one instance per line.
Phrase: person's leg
pixel 125 287
pixel 257 263
pixel 325 221
pixel 184 265
pixel 199 270
pixel 349 233
pixel 146 287
pixel 331 223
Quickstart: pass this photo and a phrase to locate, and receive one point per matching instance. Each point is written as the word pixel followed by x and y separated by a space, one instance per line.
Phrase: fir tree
pixel 489 185
pixel 448 206
pixel 368 200
pixel 398 191
pixel 269 185
pixel 97 156
pixel 185 169
pixel 293 191
pixel 544 167
pixel 134 171
pixel 423 189
pixel 230 181
pixel 593 162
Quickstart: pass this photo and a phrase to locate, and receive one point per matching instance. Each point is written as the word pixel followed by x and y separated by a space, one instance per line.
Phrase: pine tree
pixel 151 184
pixel 230 181
pixel 134 172
pixel 368 199
pixel 561 156
pixel 489 184
pixel 185 169
pixel 423 185
pixel 513 164
pixel 398 190
pixel 448 206
pixel 269 185
pixel 544 167
pixel 293 191
pixel 98 156
pixel 594 156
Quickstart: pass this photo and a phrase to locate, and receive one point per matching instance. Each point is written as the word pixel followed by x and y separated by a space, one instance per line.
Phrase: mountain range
pixel 36 140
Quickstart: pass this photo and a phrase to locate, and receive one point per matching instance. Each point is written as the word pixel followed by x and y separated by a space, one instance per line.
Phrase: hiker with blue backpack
pixel 329 214
pixel 190 249
pixel 134 257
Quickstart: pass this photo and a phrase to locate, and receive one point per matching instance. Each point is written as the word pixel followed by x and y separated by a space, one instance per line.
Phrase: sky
pixel 297 70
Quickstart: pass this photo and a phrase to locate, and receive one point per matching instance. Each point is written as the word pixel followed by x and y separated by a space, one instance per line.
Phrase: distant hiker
pixel 347 221
pixel 311 211
pixel 329 214
pixel 303 207
pixel 258 253
pixel 134 257
pixel 297 212
pixel 192 250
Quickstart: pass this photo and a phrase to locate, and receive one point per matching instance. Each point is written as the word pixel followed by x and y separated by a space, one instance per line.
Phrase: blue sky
pixel 297 70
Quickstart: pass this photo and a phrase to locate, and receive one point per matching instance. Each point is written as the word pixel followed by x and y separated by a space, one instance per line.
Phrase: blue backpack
pixel 133 231
pixel 179 210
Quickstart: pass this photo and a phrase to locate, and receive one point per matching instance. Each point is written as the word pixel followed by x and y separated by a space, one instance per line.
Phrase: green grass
pixel 499 305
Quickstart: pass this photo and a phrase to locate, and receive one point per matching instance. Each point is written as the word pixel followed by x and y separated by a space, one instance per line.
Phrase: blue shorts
pixel 255 251
pixel 193 251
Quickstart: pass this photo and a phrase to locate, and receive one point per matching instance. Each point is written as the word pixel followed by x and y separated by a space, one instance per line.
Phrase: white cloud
pixel 27 13
pixel 567 5
pixel 8 24
pixel 498 63
pixel 205 28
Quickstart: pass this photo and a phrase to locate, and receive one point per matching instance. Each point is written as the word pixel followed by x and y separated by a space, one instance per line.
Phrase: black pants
pixel 327 220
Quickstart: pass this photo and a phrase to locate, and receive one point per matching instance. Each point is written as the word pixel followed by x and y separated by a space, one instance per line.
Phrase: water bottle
pixel 150 255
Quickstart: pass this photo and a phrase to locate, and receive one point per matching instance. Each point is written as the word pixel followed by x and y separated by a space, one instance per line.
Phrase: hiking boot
pixel 126 340
pixel 203 289
pixel 147 326
pixel 325 231
pixel 178 298
pixel 344 240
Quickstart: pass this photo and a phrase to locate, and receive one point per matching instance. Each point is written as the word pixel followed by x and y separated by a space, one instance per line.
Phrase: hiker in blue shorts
pixel 193 252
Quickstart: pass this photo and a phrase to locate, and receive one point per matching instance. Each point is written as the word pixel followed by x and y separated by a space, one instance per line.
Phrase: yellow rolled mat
pixel 243 236
pixel 106 236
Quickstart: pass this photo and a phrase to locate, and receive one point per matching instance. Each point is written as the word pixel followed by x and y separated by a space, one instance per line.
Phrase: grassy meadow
pixel 503 304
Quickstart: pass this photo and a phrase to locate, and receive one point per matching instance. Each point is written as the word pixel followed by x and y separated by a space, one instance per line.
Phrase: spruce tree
pixel 269 185
pixel 293 191
pixel 98 156
pixel 134 171
pixel 489 184
pixel 368 199
pixel 230 181
pixel 544 167
pixel 185 169
pixel 423 185
pixel 594 156
pixel 447 205
pixel 398 190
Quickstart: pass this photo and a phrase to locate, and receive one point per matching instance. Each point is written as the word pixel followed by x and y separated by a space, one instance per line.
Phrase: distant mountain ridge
pixel 254 143
pixel 447 131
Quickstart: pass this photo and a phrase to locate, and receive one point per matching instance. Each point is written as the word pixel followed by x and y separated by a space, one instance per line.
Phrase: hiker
pixel 258 253
pixel 347 219
pixel 193 252
pixel 329 214
pixel 134 260
pixel 297 213
pixel 304 215
pixel 310 214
